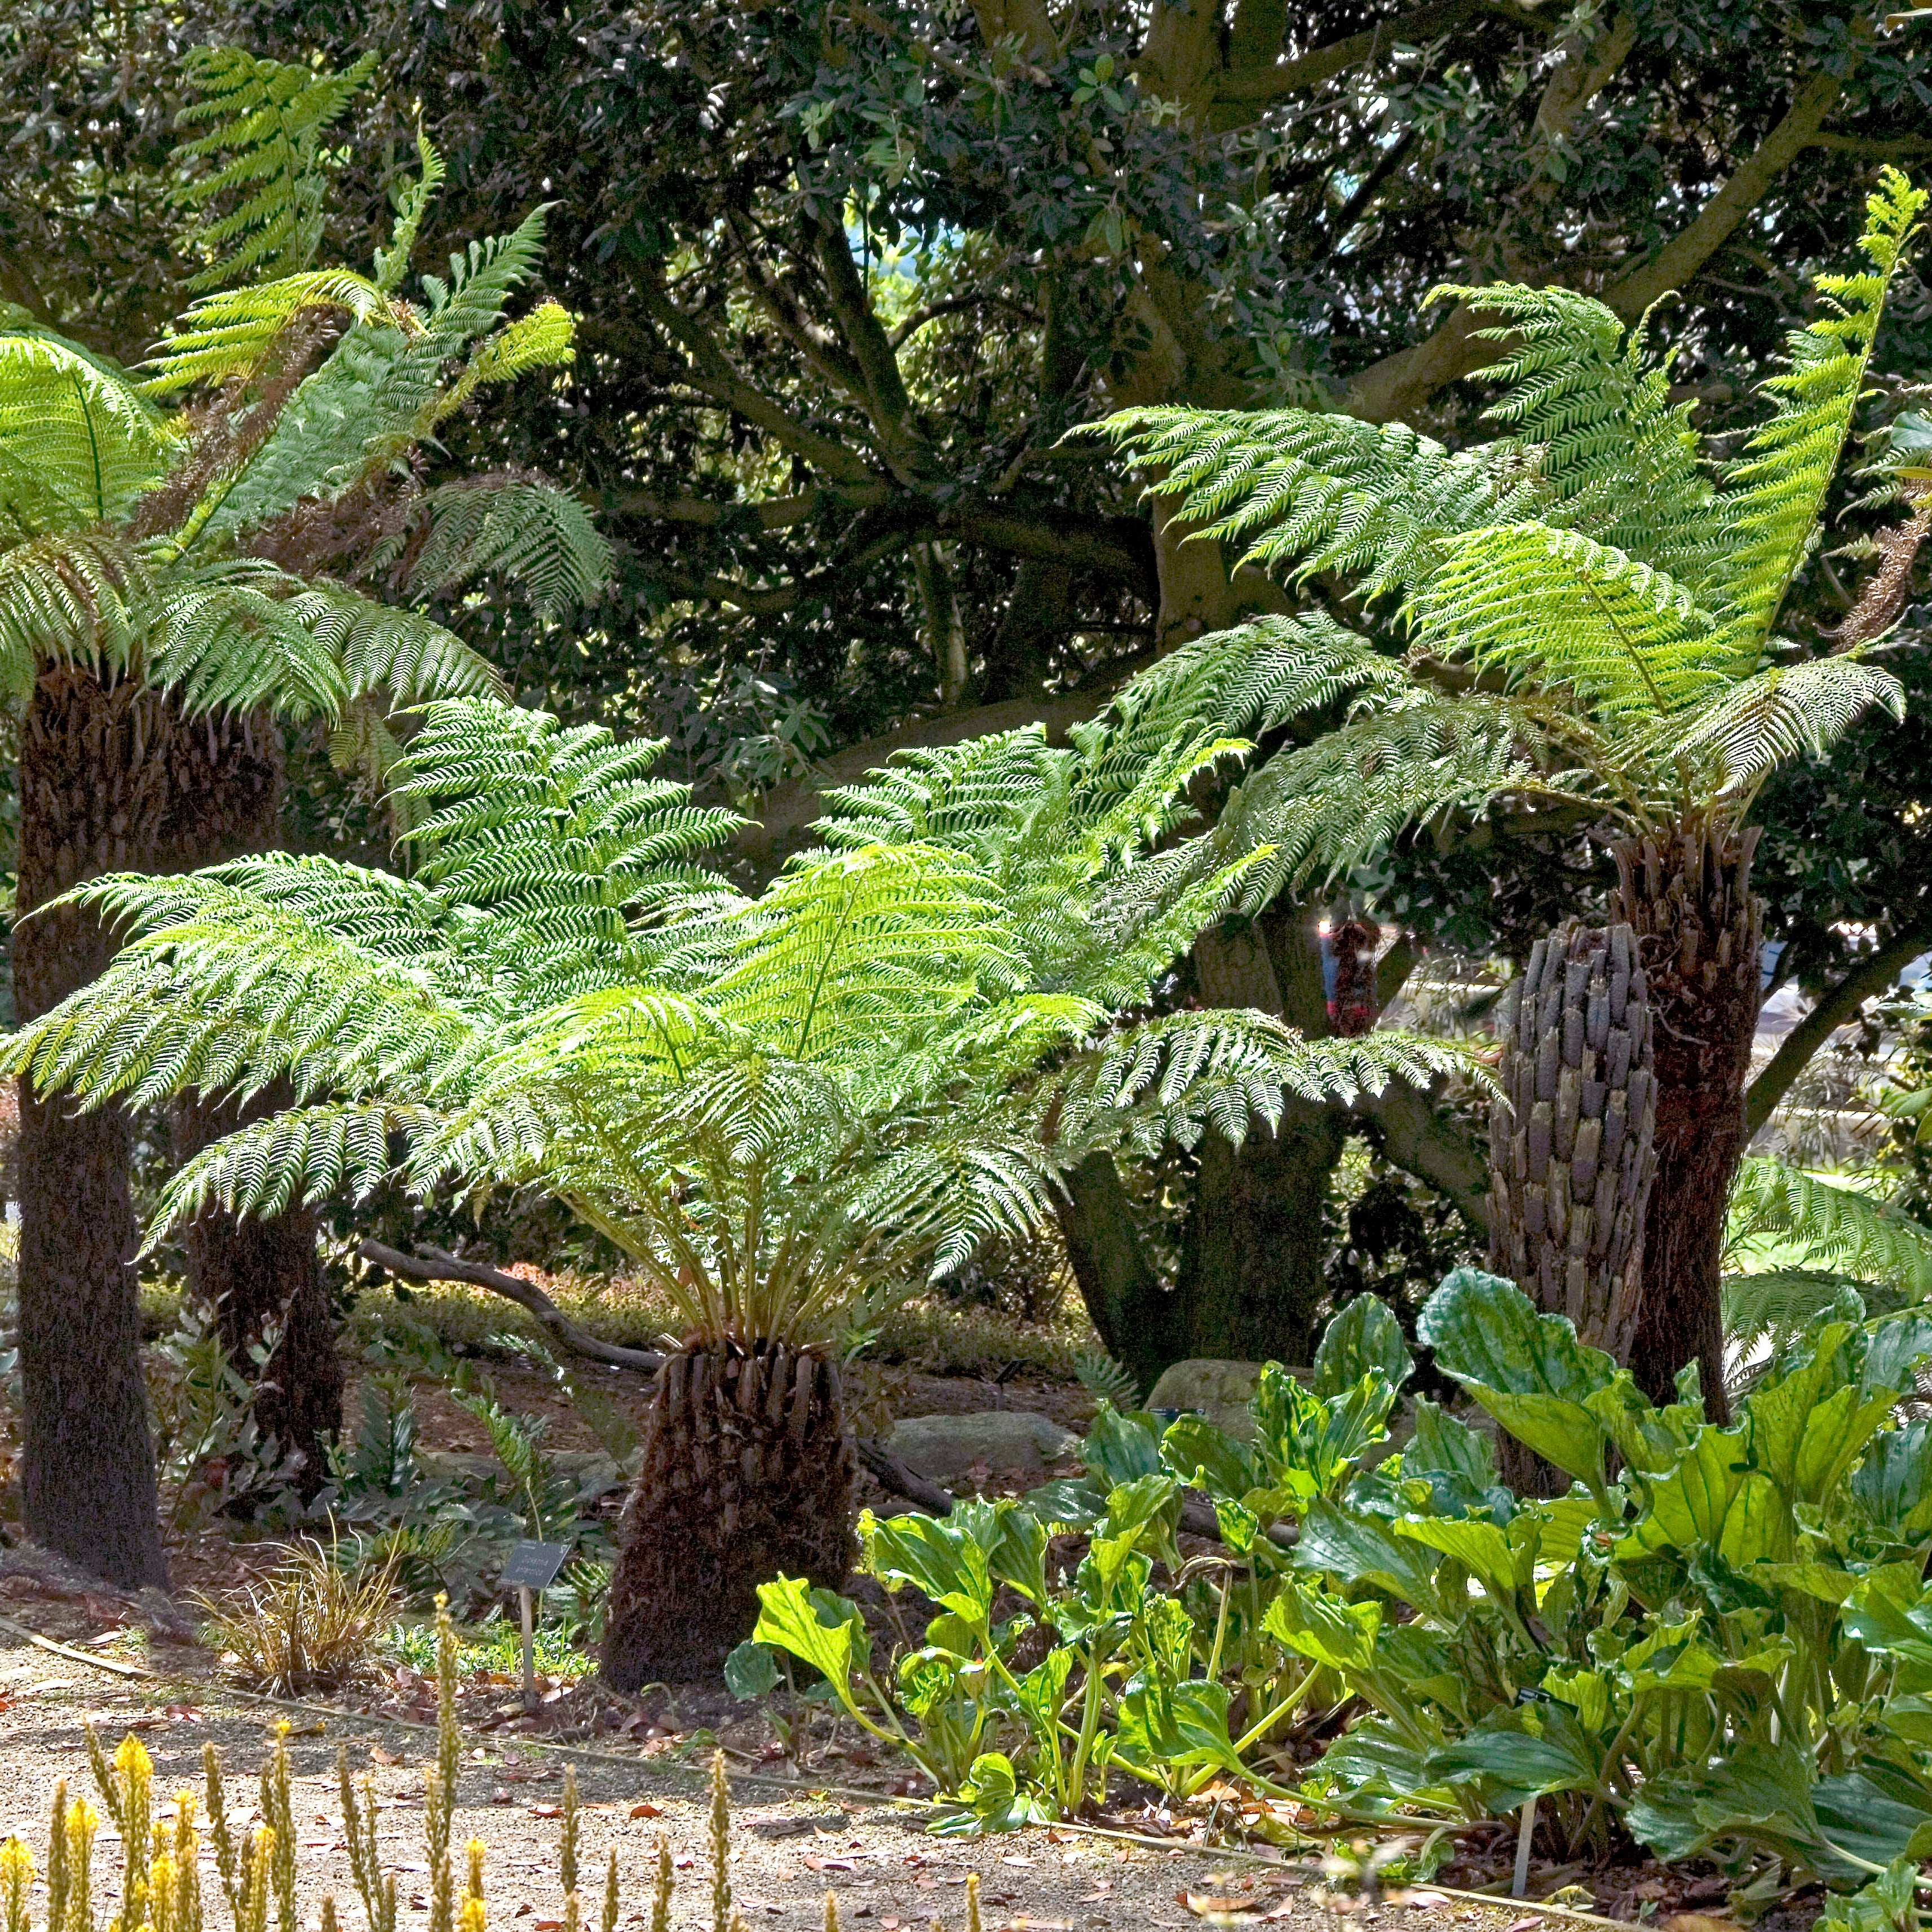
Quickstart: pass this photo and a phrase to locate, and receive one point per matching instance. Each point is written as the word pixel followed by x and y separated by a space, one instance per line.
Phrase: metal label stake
pixel 532 1568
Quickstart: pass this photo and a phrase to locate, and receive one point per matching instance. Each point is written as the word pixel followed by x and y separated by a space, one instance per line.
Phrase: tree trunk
pixel 1137 1317
pixel 255 1274
pixel 112 779
pixel 261 1280
pixel 1698 931
pixel 1571 1159
pixel 747 1474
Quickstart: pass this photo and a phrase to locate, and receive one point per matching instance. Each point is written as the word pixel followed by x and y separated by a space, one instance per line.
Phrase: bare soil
pixel 790 1845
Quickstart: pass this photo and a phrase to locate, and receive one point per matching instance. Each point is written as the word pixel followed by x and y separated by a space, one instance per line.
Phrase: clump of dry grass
pixel 308 1625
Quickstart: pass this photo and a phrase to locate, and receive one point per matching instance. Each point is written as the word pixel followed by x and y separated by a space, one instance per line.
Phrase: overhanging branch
pixel 1865 981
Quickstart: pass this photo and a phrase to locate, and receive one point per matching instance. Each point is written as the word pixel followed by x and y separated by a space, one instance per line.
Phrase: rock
pixel 1218 1390
pixel 937 1446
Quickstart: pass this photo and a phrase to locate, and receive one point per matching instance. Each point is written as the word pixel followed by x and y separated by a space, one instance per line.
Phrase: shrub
pixel 310 1625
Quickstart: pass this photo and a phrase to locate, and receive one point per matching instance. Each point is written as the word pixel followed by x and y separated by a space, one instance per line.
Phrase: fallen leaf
pixel 646 1810
pixel 378 1755
pixel 502 1796
pixel 1215 1909
pixel 830 1864
pixel 890 1924
pixel 548 1925
pixel 1015 1858
pixel 546 1811
pixel 1698 1921
pixel 1522 1925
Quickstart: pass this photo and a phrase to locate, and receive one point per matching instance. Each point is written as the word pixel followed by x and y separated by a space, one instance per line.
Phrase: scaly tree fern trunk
pixel 261 1278
pixel 1571 1159
pixel 1700 932
pixel 748 1474
pixel 95 778
pixel 112 779
pixel 257 1275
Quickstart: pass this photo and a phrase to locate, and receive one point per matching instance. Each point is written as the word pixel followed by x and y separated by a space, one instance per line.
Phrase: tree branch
pixel 435 1265
pixel 773 513
pixel 1866 980
pixel 1420 1140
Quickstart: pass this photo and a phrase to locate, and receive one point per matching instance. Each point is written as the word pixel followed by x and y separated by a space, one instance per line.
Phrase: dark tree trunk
pixel 112 779
pixel 260 1277
pixel 255 1274
pixel 747 1474
pixel 1250 1279
pixel 1700 929
pixel 1571 1157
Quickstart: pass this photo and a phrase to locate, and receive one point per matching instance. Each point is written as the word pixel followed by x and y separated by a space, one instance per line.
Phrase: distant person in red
pixel 1352 1002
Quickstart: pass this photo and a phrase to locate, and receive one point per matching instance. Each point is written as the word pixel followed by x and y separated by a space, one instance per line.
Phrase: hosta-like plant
pixel 1591 606
pixel 785 1109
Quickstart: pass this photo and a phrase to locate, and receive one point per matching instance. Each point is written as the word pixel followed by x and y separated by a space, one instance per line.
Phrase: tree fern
pixel 1618 584
pixel 782 1108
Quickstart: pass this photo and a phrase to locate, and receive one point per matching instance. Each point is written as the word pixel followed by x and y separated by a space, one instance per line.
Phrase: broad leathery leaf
pixel 1184 1722
pixel 818 1626
pixel 1364 1338
pixel 1806 1429
pixel 1586 1692
pixel 1893 1485
pixel 1898 1346
pixel 1315 1624
pixel 1205 1458
pixel 1712 1498
pixel 1528 1370
pixel 1516 1754
pixel 1889 1610
pixel 1504 1561
pixel 1379 1760
pixel 1458 1464
pixel 1357 1548
pixel 1073 1501
pixel 940 1558
pixel 1764 1793
pixel 1877 1812
pixel 1119 1447
pixel 750 1671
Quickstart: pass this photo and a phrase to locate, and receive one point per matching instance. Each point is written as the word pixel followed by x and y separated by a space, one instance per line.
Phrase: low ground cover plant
pixel 1718 1642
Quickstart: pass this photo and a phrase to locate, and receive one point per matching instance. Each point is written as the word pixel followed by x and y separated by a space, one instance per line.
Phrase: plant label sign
pixel 533 1566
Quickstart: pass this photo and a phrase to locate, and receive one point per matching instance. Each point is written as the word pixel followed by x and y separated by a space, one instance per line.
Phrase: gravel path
pixel 887 1872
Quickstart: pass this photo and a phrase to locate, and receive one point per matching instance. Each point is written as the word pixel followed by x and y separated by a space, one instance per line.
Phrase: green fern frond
pixel 270 118
pixel 78 441
pixel 68 598
pixel 1615 456
pixel 1774 495
pixel 1324 493
pixel 232 335
pixel 392 263
pixel 539 537
pixel 1842 1229
pixel 1571 615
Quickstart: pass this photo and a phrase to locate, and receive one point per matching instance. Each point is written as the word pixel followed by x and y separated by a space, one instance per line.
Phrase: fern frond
pixel 1616 458
pixel 1744 730
pixel 1568 614
pixel 231 335
pixel 270 118
pixel 78 441
pixel 1325 492
pixel 1839 1227
pixel 392 263
pixel 69 598
pixel 1774 495
pixel 538 537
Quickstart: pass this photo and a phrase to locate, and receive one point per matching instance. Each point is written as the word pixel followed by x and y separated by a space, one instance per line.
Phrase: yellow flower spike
pixel 16 1882
pixel 567 1854
pixel 831 1911
pixel 161 1892
pixel 57 1872
pixel 474 1888
pixel 329 1923
pixel 722 1913
pixel 472 1920
pixel 972 1902
pixel 82 1823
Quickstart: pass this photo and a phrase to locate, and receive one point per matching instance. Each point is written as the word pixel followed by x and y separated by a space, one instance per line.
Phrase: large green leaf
pixel 1205 1458
pixel 1503 1561
pixel 1316 1624
pixel 1893 1485
pixel 1365 1338
pixel 1763 1794
pixel 818 1626
pixel 941 1558
pixel 1528 1370
pixel 1184 1722
pixel 1805 1429
pixel 1712 1500
pixel 1119 1447
pixel 1877 1812
pixel 1335 1541
pixel 1459 1463
pixel 1517 1753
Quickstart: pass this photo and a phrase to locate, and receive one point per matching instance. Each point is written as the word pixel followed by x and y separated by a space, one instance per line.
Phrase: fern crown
pixel 1590 601
pixel 273 545
pixel 781 1108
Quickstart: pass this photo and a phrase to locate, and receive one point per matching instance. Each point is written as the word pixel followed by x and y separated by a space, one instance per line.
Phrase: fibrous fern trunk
pixel 1571 1159
pixel 113 779
pixel 748 1474
pixel 1700 932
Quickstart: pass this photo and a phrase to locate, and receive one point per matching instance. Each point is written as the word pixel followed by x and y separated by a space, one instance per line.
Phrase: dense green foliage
pixel 775 1106
pixel 1719 1649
